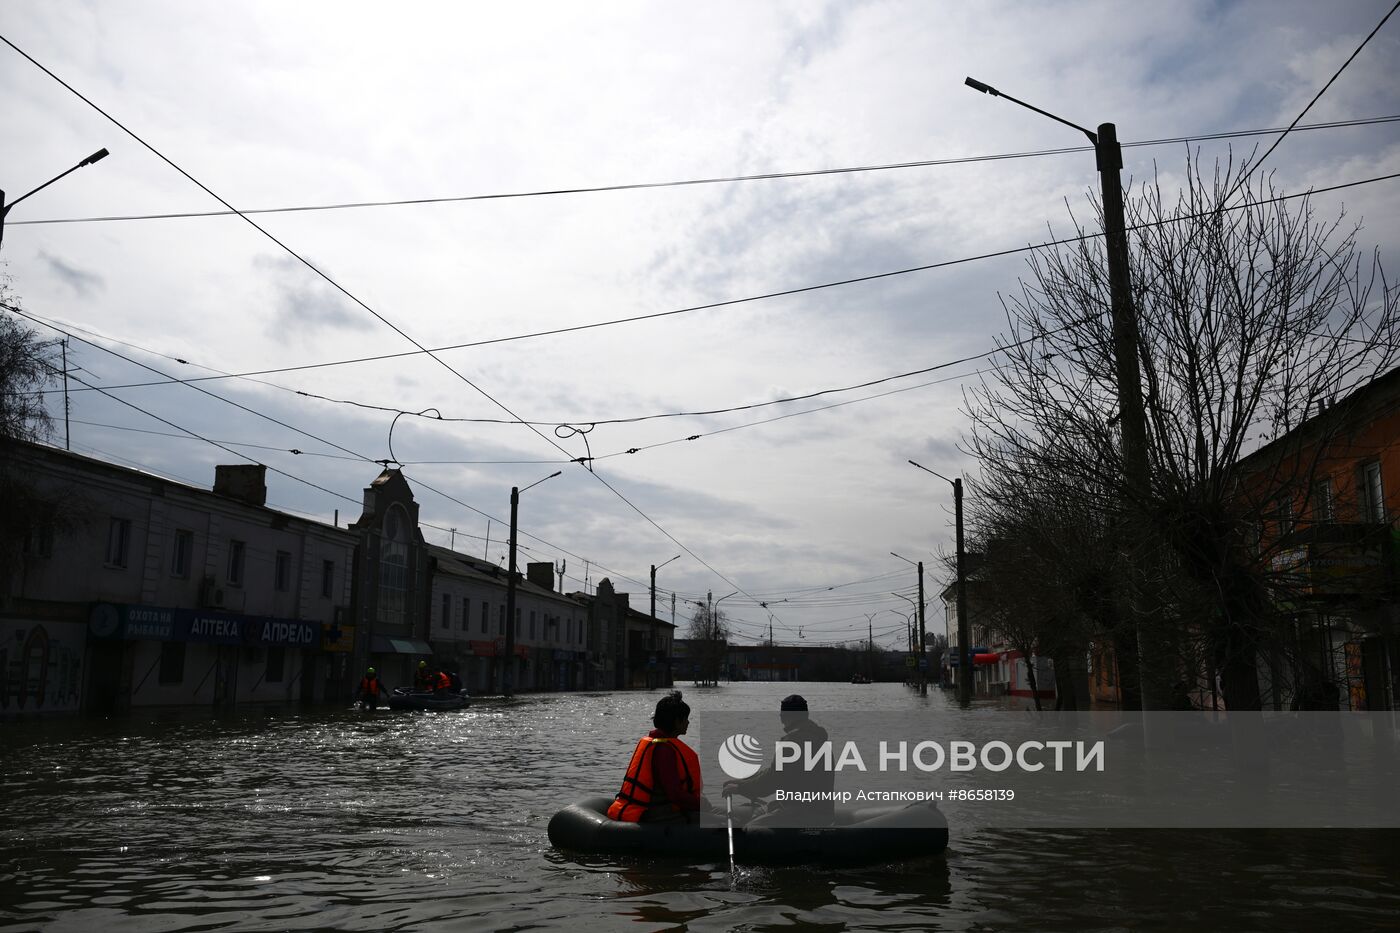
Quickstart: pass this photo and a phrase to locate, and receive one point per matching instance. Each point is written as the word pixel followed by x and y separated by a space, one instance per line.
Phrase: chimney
pixel 541 574
pixel 246 482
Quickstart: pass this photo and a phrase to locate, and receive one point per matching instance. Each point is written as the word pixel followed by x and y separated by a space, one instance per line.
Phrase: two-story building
pixel 1330 537
pixel 139 591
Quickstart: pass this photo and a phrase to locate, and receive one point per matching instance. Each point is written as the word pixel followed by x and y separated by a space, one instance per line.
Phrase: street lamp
pixel 654 568
pixel 652 624
pixel 923 652
pixel 722 599
pixel 509 664
pixel 1108 155
pixel 908 618
pixel 964 623
pixel 97 156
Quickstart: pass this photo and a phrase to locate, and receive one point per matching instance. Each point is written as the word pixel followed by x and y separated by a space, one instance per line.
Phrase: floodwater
pixel 334 819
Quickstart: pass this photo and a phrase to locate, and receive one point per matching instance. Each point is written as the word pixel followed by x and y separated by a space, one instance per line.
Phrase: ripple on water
pixel 336 820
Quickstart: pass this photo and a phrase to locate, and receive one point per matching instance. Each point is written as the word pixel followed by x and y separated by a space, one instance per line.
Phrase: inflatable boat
pixel 867 835
pixel 413 699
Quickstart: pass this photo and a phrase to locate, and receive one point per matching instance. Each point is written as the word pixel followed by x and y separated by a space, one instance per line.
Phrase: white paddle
pixel 729 821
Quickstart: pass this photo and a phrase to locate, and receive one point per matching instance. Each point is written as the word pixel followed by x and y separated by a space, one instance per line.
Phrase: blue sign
pixel 159 623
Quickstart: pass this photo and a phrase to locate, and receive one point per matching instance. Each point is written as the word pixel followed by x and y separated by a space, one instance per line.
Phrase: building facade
pixel 1329 535
pixel 133 591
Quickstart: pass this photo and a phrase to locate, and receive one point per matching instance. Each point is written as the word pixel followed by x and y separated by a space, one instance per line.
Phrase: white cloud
pixel 276 104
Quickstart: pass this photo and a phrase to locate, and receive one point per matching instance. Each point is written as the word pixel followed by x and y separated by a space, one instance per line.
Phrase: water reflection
pixel 379 821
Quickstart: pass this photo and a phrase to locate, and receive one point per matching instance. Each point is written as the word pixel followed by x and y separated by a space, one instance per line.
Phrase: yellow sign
pixel 335 637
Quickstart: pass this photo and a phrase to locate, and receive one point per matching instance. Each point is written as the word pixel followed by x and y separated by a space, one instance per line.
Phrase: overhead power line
pixel 354 298
pixel 718 180
pixel 229 446
pixel 1316 97
pixel 1047 244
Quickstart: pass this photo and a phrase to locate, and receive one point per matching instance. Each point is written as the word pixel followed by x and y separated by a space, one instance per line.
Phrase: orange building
pixel 1330 539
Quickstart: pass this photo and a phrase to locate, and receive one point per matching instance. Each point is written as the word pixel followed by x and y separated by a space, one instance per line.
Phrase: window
pixel 38 539
pixel 1283 516
pixel 118 542
pixel 518 612
pixel 282 572
pixel 485 617
pixel 172 662
pixel 501 621
pixel 1322 500
pixel 1372 495
pixel 393 567
pixel 466 613
pixel 446 610
pixel 235 563
pixel 327 578
pixel 276 663
pixel 532 623
pixel 181 554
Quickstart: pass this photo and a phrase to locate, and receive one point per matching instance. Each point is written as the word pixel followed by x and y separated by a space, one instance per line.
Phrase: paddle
pixel 729 821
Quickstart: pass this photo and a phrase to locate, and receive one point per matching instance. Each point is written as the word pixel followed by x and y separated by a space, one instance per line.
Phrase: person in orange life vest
pixel 423 679
pixel 372 689
pixel 663 782
pixel 441 682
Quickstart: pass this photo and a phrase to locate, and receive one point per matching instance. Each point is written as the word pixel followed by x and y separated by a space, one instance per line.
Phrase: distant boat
pixel 859 679
pixel 414 699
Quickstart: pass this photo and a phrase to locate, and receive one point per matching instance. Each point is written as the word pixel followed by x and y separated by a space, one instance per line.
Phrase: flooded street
pixel 337 819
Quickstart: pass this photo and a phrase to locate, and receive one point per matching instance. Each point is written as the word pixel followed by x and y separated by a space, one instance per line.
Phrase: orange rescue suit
pixel 639 791
pixel 370 686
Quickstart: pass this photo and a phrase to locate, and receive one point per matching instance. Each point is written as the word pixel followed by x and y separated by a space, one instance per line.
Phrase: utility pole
pixel 869 645
pixel 1108 156
pixel 923 643
pixel 67 436
pixel 964 622
pixel 508 666
pixel 508 669
pixel 653 586
pixel 1133 420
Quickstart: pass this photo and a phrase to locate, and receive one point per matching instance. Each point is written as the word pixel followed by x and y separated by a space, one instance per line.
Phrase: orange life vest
pixel 639 791
pixel 372 686
pixel 442 681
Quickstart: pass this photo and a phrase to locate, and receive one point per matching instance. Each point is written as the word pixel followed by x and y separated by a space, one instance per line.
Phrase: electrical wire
pixel 347 293
pixel 766 176
pixel 358 456
pixel 1048 244
pixel 1335 76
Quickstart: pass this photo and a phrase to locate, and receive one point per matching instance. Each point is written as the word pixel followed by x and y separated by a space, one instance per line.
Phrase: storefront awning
pixel 954 660
pixel 390 644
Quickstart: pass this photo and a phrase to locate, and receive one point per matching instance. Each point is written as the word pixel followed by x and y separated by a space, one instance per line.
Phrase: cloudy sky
pixel 274 105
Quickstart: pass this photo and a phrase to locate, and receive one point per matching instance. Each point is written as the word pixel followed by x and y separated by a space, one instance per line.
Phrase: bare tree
pixel 27 368
pixel 1250 311
pixel 708 634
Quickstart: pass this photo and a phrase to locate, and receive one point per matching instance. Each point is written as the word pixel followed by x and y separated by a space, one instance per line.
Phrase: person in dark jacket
pixel 798 728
